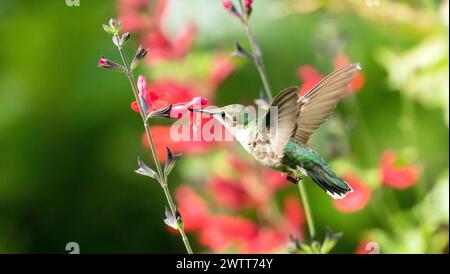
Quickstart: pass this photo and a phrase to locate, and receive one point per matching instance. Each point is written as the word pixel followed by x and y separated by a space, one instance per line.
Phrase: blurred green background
pixel 69 142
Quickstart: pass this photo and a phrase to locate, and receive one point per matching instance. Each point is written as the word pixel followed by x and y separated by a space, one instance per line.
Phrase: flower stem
pixel 309 219
pixel 257 58
pixel 162 177
pixel 256 54
pixel 173 209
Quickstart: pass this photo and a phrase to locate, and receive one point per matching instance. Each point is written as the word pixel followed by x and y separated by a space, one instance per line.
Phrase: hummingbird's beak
pixel 163 112
pixel 207 111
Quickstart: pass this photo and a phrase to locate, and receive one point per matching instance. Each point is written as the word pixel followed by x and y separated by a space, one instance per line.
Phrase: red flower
pixel 163 48
pixel 177 111
pixel 399 176
pixel 294 215
pixel 192 207
pixel 151 100
pixel 131 16
pixel 355 200
pixel 147 17
pixel 221 233
pixel 227 4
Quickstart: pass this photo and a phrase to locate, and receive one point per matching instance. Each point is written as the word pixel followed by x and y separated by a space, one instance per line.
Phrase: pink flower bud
pixel 108 64
pixel 227 4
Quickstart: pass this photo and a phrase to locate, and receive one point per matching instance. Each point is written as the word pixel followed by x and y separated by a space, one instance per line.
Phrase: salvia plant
pixel 172 216
pixel 242 10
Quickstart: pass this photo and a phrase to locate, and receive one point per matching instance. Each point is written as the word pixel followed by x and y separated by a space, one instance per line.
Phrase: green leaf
pixel 146 171
pixel 171 160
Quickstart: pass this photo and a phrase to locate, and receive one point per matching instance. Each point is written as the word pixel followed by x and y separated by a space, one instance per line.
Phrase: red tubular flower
pixel 355 200
pixel 397 176
pixel 178 91
pixel 193 208
pixel 150 100
pixel 177 111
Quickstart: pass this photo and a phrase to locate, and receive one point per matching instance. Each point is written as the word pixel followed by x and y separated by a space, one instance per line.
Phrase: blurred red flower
pixel 294 215
pixel 146 17
pixel 229 193
pixel 192 207
pixel 248 4
pixel 162 47
pixel 267 240
pixel 274 179
pixel 245 190
pixel 227 232
pixel 132 14
pixel 227 4
pixel 399 176
pixel 355 200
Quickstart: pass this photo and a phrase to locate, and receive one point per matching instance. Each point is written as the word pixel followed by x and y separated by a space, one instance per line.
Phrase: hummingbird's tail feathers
pixel 329 182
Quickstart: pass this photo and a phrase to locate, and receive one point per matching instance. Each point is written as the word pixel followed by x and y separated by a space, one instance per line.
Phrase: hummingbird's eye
pixel 222 114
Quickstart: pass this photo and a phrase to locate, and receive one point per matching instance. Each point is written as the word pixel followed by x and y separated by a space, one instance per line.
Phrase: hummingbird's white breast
pixel 256 143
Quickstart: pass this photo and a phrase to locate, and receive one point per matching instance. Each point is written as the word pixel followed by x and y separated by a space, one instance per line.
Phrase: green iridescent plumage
pixel 302 159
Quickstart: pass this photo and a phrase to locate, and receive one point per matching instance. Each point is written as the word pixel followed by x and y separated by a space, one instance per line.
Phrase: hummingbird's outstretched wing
pixel 282 126
pixel 316 105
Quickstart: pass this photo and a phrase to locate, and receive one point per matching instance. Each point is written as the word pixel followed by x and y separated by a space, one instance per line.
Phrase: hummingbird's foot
pixel 293 179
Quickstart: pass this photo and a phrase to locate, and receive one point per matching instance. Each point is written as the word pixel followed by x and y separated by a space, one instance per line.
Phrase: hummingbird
pixel 280 141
